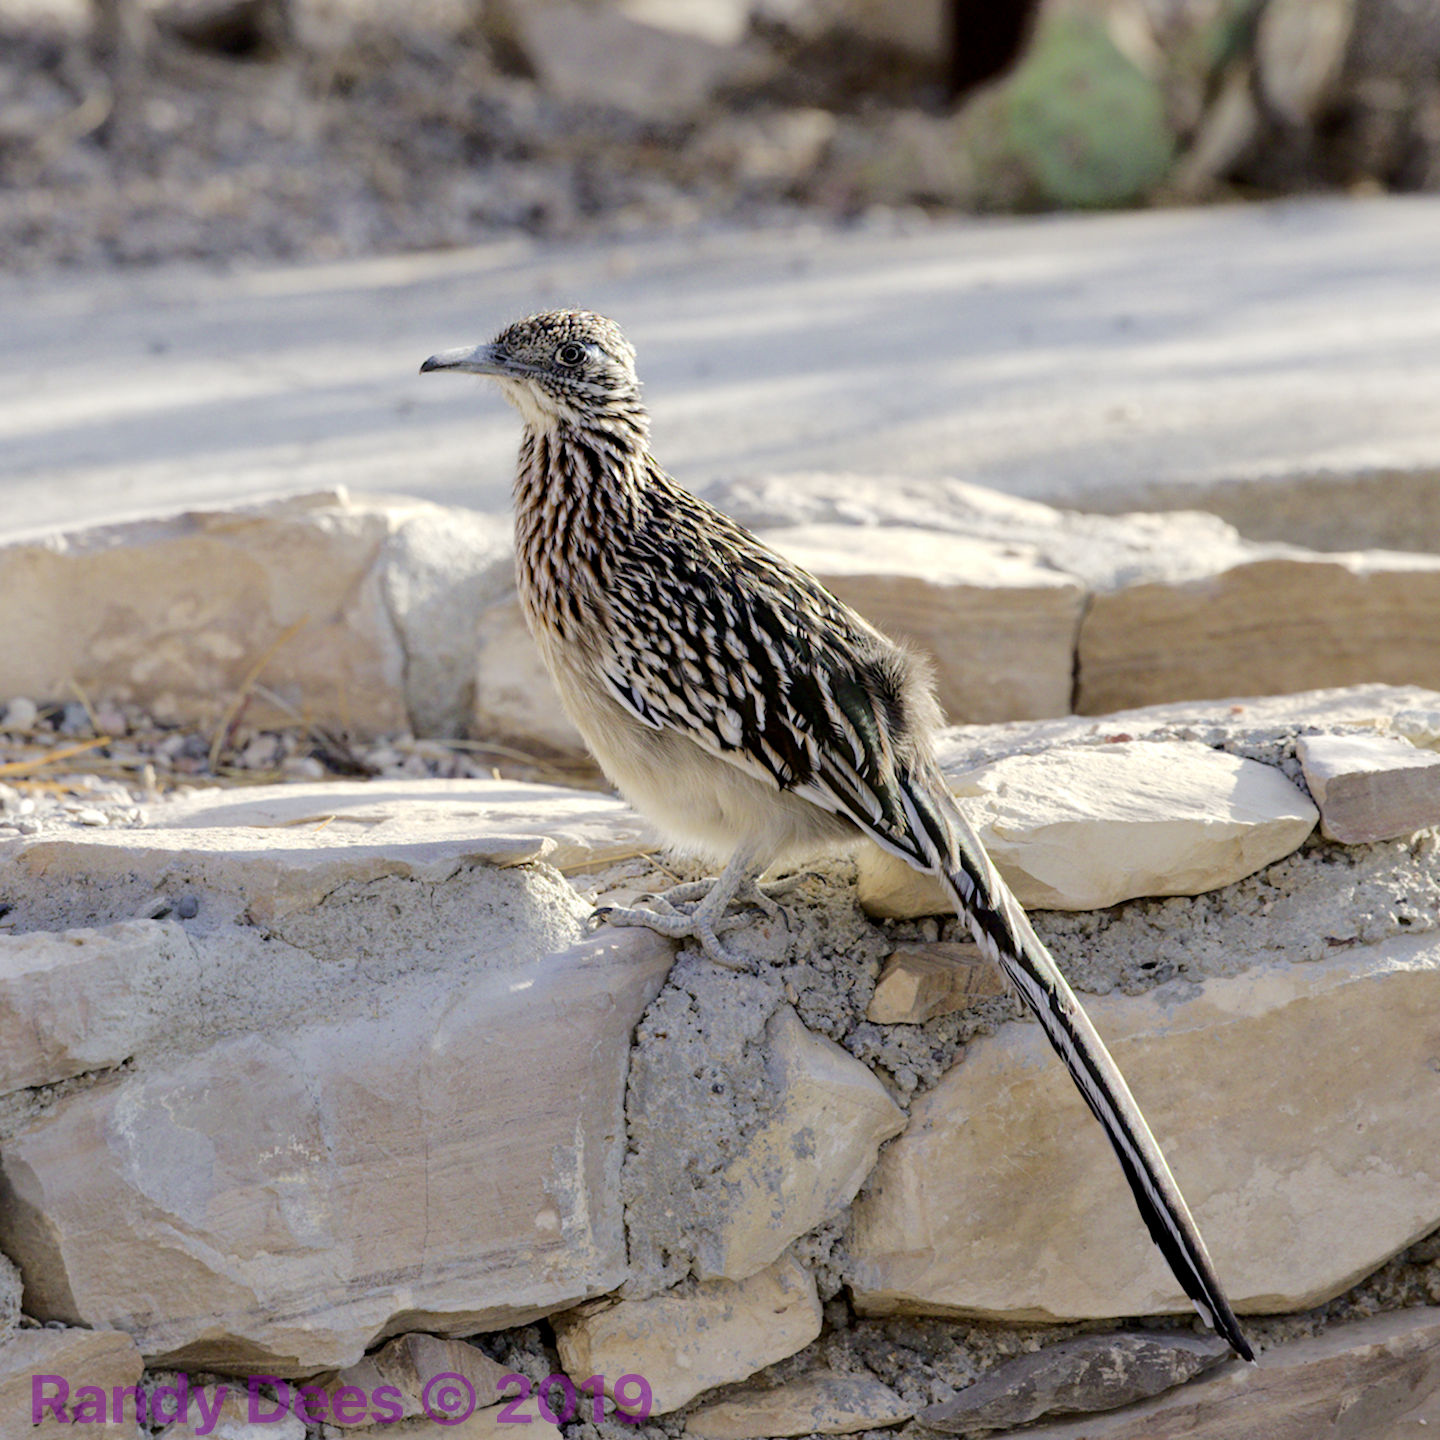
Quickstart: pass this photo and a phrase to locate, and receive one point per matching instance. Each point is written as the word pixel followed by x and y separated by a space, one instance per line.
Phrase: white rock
pixel 1375 1379
pixel 1301 1185
pixel 808 1159
pixel 1370 787
pixel 999 625
pixel 1179 606
pixel 1404 710
pixel 598 56
pixel 1087 1374
pixel 515 699
pixel 439 568
pixel 821 1403
pixel 274 851
pixel 70 1002
pixel 277 1200
pixel 920 982
pixel 229 1412
pixel 721 22
pixel 1085 827
pixel 357 612
pixel 587 829
pixel 685 1343
pixel 20 716
pixel 919 26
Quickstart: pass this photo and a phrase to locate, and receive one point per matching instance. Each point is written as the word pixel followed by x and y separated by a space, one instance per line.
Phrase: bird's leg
pixel 699 922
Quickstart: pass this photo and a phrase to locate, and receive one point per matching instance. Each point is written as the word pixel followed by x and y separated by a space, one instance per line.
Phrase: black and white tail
pixel 937 838
pixel 1003 931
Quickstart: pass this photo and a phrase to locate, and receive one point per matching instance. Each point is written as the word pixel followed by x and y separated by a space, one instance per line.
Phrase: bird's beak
pixel 471 360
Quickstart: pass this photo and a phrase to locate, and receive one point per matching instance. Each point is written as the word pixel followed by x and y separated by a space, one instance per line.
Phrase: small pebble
pixel 111 720
pixel 262 753
pixel 76 720
pixel 20 715
pixel 89 816
pixel 304 767
pixel 187 907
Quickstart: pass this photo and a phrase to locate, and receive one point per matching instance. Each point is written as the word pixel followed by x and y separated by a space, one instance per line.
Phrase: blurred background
pixel 138 131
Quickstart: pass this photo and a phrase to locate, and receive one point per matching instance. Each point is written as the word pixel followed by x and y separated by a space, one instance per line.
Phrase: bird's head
pixel 559 367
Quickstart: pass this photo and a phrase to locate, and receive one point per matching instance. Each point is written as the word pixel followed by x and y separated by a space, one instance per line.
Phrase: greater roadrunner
pixel 749 714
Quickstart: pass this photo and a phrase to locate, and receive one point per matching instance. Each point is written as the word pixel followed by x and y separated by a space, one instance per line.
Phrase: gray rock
pixel 11 1287
pixel 1095 1372
pixel 1376 1379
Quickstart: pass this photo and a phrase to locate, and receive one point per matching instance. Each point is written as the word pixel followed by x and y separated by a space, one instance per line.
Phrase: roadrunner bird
pixel 749 714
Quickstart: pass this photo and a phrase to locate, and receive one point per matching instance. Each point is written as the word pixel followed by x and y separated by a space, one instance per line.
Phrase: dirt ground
pixel 374 127
pixel 380 133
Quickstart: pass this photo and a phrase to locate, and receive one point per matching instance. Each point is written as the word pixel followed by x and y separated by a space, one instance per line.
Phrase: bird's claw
pixel 675 926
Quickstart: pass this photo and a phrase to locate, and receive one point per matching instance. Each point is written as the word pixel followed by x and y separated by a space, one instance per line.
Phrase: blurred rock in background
pixel 135 131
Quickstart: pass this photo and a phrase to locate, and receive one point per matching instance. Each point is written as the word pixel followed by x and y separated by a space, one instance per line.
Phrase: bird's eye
pixel 570 354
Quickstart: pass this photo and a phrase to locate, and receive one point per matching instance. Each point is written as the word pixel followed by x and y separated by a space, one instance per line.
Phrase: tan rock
pixel 1375 1379
pixel 808 1159
pixel 821 1403
pixel 1033 1221
pixel 1180 606
pixel 1300 1186
pixel 1299 51
pixel 76 1358
pixel 1263 626
pixel 410 1363
pixel 920 982
pixel 999 625
pixel 278 1199
pixel 317 595
pixel 1370 787
pixel 683 1344
pixel 1085 827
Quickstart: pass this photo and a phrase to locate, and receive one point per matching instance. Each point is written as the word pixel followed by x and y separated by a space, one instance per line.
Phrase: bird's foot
pixel 680 899
pixel 693 924
pixel 696 910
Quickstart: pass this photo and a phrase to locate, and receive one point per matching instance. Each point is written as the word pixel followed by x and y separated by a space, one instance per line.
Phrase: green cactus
pixel 1085 123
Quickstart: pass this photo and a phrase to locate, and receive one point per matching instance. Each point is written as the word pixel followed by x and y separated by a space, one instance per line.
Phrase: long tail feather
pixel 1003 931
